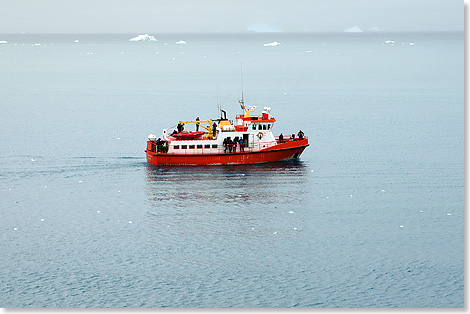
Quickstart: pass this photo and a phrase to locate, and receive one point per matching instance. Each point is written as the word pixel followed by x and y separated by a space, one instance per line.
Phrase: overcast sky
pixel 184 16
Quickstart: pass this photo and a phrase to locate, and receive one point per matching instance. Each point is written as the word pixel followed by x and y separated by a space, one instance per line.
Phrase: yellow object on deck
pixel 198 122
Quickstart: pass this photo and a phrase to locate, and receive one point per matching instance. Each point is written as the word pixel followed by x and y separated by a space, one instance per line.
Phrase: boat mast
pixel 242 102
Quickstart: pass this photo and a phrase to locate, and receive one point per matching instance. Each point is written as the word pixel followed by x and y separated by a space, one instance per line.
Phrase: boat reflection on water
pixel 242 185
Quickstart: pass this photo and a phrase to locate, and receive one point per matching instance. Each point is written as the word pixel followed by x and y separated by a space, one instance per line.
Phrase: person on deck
pixel 235 144
pixel 241 142
pixel 180 127
pixel 197 124
pixel 301 134
pixel 214 130
pixel 281 138
pixel 225 144
pixel 230 144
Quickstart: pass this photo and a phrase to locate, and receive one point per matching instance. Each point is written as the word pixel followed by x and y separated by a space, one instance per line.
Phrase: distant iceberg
pixel 264 28
pixel 390 42
pixel 3 42
pixel 145 37
pixel 354 29
pixel 76 41
pixel 181 42
pixel 273 44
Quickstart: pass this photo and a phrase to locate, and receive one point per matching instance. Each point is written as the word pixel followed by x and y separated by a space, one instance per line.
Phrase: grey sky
pixel 183 16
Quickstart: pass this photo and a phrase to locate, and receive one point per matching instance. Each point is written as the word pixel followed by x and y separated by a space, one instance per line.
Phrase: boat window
pixel 199 146
pixel 191 146
pixel 269 126
pixel 176 147
pixel 184 146
pixel 264 126
pixel 254 126
pixel 207 146
pixel 214 145
pixel 260 127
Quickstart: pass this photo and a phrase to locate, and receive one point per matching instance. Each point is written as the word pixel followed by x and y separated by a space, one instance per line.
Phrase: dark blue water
pixel 371 216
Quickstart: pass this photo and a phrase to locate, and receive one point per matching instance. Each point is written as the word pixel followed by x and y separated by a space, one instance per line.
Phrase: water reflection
pixel 273 183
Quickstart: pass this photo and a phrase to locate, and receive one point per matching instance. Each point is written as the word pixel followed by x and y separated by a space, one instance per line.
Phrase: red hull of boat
pixel 283 151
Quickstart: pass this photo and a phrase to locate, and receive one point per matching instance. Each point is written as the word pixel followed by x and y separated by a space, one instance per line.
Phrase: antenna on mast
pixel 242 102
pixel 218 101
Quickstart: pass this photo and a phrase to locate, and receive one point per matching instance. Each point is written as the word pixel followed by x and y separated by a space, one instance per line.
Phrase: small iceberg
pixel 3 42
pixel 273 44
pixel 145 37
pixel 354 29
pixel 390 42
pixel 76 41
pixel 181 42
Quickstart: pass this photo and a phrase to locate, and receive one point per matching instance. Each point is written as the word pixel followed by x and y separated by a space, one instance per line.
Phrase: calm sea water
pixel 371 216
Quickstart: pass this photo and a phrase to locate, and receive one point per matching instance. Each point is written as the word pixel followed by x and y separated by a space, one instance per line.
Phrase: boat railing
pixel 221 149
pixel 289 139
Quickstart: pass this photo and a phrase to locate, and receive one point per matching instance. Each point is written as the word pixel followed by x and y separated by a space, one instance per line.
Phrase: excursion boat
pixel 246 140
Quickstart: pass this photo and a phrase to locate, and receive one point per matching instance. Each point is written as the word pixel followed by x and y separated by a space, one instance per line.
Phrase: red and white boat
pixel 247 140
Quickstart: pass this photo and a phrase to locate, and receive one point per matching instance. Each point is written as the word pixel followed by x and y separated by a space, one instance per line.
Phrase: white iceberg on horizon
pixel 390 42
pixel 145 37
pixel 3 42
pixel 354 29
pixel 181 42
pixel 76 41
pixel 273 44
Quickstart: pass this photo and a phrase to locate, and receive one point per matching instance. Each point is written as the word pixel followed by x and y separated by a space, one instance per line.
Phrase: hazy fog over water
pixel 210 16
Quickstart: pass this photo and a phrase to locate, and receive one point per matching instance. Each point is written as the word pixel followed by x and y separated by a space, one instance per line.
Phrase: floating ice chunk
pixel 42 219
pixel 311 170
pixel 76 41
pixel 412 44
pixel 273 44
pixel 3 42
pixel 32 159
pixel 354 29
pixel 291 212
pixel 275 232
pixel 98 211
pixel 382 190
pixel 145 37
pixel 390 42
pixel 130 221
pixel 37 45
pixel 118 138
pixel 181 42
pixel 295 228
pixel 449 214
pixel 401 226
pixel 80 181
